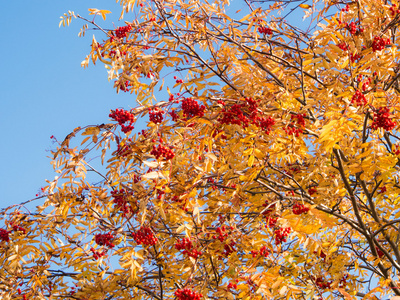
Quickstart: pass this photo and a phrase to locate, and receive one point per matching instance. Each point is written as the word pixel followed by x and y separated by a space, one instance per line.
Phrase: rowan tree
pixel 260 160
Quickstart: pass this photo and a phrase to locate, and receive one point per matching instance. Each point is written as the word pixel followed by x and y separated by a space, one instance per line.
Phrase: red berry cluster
pixel 299 209
pixel 222 236
pixel 312 190
pixel 192 109
pixel 234 115
pixel 162 151
pixel 178 80
pixel 104 239
pixel 265 30
pixel 120 199
pixel 123 86
pixel 358 99
pixel 150 75
pixel 266 124
pixel 4 235
pixel 145 236
pixel 19 291
pixel 217 132
pixel 98 254
pixel 270 209
pixel 251 284
pixel 232 285
pixel 222 233
pixel 346 8
pixel 343 281
pixel 16 227
pixel 394 10
pixel 175 198
pixel 379 43
pixel 321 283
pixel 144 133
pixel 355 57
pixel 229 249
pixel 187 245
pixel 156 115
pixel 298 120
pixel 251 104
pixel 160 192
pixel 354 29
pixel 262 252
pixel 382 190
pixel 382 119
pixel 293 169
pixel 321 254
pixel 396 149
pixel 281 234
pixel 125 150
pixel 212 181
pixel 271 222
pixel 366 83
pixel 122 117
pixel 245 113
pixel 379 252
pixel 122 32
pixel 113 53
pixel 187 294
pixel 343 46
pixel 182 202
pixel 174 115
pixel 73 290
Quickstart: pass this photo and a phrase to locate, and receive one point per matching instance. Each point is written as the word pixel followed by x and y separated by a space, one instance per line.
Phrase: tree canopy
pixel 259 161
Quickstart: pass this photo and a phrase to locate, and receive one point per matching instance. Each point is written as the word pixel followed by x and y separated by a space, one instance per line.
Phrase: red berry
pixel 187 294
pixel 265 30
pixel 382 119
pixel 379 43
pixel 145 236
pixel 121 199
pixel 4 235
pixel 299 209
pixel 123 117
pixel 359 99
pixel 156 116
pixel 104 239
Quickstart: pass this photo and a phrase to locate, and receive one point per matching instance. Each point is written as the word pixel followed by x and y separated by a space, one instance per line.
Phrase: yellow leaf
pixel 162 213
pixel 344 64
pixel 346 295
pixel 12 257
pixel 259 154
pixel 250 161
pixel 305 6
pixel 180 229
pixel 102 12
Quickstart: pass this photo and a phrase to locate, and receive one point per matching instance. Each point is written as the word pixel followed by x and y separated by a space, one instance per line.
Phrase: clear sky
pixel 44 91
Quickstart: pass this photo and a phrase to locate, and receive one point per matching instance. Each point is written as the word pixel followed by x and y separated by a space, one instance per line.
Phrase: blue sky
pixel 44 91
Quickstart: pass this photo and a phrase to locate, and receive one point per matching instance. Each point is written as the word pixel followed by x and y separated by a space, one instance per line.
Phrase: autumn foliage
pixel 259 160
